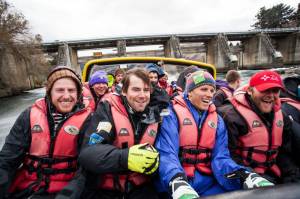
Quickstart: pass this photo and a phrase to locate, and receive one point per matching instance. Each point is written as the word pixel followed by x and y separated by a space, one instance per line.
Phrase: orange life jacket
pixel 195 147
pixel 51 162
pixel 88 98
pixel 125 139
pixel 259 147
pixel 291 102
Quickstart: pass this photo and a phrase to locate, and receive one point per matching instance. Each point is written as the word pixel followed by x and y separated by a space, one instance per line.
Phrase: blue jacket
pixel 167 144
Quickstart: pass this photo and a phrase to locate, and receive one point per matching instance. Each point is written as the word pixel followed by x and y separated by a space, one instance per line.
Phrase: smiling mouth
pixel 206 101
pixel 268 102
pixel 66 103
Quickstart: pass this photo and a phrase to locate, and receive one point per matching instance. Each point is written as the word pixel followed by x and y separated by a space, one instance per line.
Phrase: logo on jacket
pixel 104 126
pixel 123 132
pixel 152 133
pixel 187 121
pixel 256 123
pixel 87 97
pixel 36 129
pixel 279 123
pixel 72 130
pixel 212 124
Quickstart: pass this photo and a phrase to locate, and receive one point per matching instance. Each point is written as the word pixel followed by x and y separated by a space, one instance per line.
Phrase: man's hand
pixel 182 190
pixel 143 158
pixel 254 180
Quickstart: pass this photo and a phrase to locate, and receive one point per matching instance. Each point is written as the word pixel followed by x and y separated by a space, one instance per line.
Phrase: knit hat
pixel 292 84
pixel 199 78
pixel 99 76
pixel 155 68
pixel 60 72
pixel 265 80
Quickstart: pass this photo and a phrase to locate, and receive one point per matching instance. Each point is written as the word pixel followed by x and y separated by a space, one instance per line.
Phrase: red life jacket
pixel 88 98
pixel 291 102
pixel 50 163
pixel 195 148
pixel 227 92
pixel 125 139
pixel 259 148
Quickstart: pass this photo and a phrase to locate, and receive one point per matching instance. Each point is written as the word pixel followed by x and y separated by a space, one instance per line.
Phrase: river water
pixel 11 107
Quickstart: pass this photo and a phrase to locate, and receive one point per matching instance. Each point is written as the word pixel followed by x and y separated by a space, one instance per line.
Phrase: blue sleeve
pixel 221 161
pixel 167 143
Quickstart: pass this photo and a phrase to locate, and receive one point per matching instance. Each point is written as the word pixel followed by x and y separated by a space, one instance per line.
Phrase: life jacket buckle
pixel 47 171
pixel 271 152
pixel 270 163
pixel 47 160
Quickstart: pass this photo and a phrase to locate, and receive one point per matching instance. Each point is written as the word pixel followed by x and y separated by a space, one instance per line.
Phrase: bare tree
pixel 16 40
pixel 13 25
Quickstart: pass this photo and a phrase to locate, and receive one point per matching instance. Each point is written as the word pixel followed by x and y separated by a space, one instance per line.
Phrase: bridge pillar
pixel 260 51
pixel 219 54
pixel 121 46
pixel 290 48
pixel 172 47
pixel 68 57
pixel 74 60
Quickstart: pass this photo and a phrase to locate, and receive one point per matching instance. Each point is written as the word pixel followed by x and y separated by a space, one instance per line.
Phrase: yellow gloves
pixel 143 158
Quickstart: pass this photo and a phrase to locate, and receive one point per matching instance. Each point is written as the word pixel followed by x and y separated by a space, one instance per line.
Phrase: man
pixel 39 156
pixel 291 107
pixel 192 143
pixel 226 89
pixel 119 143
pixel 257 128
pixel 96 88
pixel 119 74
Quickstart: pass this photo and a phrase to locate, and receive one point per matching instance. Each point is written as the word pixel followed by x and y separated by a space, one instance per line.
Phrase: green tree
pixel 279 16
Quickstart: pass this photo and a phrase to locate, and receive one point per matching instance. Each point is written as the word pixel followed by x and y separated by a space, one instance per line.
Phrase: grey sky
pixel 86 19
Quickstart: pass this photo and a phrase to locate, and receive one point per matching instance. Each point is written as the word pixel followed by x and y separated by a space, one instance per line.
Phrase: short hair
pixel 119 71
pixel 232 76
pixel 138 72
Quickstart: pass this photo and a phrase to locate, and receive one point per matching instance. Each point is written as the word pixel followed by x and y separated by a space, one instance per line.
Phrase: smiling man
pixel 39 156
pixel 258 129
pixel 194 158
pixel 118 152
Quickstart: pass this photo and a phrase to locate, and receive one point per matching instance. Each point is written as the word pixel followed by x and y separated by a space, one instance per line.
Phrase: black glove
pixel 250 179
pixel 181 189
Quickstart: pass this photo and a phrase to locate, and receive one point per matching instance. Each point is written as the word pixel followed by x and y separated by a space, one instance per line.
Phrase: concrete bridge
pixel 257 48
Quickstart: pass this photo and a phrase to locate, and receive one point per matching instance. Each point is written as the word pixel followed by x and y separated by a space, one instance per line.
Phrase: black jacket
pixel 104 157
pixel 219 98
pixel 237 126
pixel 17 145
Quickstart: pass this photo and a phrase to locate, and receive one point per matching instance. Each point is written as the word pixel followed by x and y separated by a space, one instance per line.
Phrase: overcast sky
pixel 87 19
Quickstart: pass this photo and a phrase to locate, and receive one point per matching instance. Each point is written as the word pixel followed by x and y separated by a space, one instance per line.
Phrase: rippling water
pixel 11 107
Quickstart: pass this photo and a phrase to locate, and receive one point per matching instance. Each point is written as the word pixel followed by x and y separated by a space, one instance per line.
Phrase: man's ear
pixel 188 95
pixel 249 90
